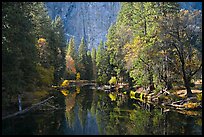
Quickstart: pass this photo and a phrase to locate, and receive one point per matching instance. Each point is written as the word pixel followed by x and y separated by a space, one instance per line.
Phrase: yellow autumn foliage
pixel 191 105
pixel 78 76
pixel 65 92
pixel 141 96
pixel 132 94
pixel 65 83
pixel 41 40
pixel 113 81
pixel 112 97
pixel 77 90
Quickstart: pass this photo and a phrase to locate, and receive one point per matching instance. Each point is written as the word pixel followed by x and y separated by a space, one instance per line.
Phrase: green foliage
pixel 57 51
pixel 102 64
pixel 152 52
pixel 32 53
pixel 52 53
pixel 71 48
pixel 18 53
pixel 82 59
pixel 93 57
pixel 71 59
pixel 89 67
pixel 102 79
pixel 46 75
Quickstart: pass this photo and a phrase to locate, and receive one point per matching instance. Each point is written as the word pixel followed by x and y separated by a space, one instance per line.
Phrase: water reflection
pixel 93 112
pixel 112 116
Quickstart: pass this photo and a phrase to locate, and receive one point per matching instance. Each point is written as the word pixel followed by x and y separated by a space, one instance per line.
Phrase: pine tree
pixel 103 64
pixel 82 59
pixel 93 56
pixel 71 48
pixel 57 44
pixel 89 67
pixel 18 53
pixel 71 59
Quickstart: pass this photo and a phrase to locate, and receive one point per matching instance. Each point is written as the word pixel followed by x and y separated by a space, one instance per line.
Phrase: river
pixel 91 112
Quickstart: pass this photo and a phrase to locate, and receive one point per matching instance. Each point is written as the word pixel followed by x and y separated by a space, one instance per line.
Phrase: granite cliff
pixel 90 20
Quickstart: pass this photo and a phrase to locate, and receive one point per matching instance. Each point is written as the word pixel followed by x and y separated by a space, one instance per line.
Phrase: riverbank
pixel 174 99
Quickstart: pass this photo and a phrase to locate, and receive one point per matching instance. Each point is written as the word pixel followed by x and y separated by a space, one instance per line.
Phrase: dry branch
pixel 28 109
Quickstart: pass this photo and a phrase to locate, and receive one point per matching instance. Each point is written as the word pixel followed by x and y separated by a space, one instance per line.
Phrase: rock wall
pixel 90 20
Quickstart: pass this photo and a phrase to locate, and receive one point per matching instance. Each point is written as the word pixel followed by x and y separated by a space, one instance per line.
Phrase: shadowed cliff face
pixel 191 5
pixel 90 20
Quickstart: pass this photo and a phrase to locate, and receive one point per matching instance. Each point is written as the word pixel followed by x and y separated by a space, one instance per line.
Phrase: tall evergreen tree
pixel 57 44
pixel 71 59
pixel 89 66
pixel 103 64
pixel 71 48
pixel 18 50
pixel 93 56
pixel 82 59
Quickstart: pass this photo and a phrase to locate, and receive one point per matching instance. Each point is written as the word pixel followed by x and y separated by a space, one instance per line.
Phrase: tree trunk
pixel 186 83
pixel 188 88
pixel 186 79
pixel 151 83
pixel 169 85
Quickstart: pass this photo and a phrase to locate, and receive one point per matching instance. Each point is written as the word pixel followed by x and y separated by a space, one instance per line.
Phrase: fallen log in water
pixel 28 109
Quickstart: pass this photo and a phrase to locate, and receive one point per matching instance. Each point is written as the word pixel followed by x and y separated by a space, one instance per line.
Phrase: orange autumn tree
pixel 70 66
pixel 70 59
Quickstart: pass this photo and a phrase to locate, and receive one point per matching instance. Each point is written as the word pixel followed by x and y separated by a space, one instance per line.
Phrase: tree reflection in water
pixel 92 112
pixel 121 117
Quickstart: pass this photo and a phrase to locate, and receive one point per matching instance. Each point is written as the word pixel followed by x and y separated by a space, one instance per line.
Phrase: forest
pixel 153 46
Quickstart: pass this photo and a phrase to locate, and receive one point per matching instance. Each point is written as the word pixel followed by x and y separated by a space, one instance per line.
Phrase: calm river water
pixel 91 112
